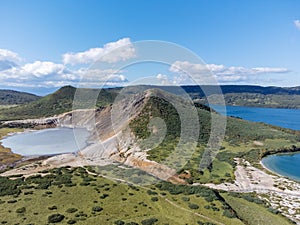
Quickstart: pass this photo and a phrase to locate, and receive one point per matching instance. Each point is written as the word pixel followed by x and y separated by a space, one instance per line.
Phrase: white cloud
pixel 297 23
pixel 40 69
pixel 36 69
pixel 6 55
pixel 163 79
pixel 8 59
pixel 111 52
pixel 49 74
pixel 205 73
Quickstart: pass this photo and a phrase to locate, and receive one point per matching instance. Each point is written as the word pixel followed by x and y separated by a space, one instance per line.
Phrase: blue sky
pixel 243 42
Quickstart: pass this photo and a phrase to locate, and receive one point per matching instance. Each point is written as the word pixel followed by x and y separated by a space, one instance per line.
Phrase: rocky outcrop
pixel 111 137
pixel 31 123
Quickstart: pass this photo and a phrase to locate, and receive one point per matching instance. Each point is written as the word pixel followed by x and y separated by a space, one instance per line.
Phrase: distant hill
pixel 62 100
pixel 248 95
pixel 240 95
pixel 226 89
pixel 9 97
pixel 53 104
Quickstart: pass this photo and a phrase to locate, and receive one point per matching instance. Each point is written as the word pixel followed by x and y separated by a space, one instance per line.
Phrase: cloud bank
pixel 73 69
pixel 223 74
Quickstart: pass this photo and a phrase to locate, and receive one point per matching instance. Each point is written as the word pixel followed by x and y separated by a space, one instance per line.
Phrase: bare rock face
pixel 32 123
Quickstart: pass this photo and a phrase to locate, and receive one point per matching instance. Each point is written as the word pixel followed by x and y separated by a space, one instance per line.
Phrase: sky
pixel 48 44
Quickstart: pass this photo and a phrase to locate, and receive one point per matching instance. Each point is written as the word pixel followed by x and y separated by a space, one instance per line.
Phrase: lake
pixel 47 141
pixel 287 118
pixel 284 164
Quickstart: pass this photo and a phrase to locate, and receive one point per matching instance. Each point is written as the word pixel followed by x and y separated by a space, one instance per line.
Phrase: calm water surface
pixel 47 141
pixel 287 118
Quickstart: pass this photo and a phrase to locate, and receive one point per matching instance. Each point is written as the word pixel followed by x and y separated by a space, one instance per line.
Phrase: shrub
pixel 21 210
pixel 11 201
pixel 119 222
pixel 186 199
pixel 149 192
pixel 71 222
pixel 229 213
pixel 55 218
pixel 71 210
pixel 275 211
pixel 193 206
pixel 154 199
pixel 52 207
pixel 97 209
pixel 10 187
pixel 85 184
pixel 150 221
pixel 104 196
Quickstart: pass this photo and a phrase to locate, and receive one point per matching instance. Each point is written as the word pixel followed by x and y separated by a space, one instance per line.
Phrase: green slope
pixel 239 141
pixel 82 198
pixel 59 102
pixel 9 97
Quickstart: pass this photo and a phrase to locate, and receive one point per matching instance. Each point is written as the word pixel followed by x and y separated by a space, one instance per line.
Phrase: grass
pixel 91 199
pixel 252 213
pixel 119 201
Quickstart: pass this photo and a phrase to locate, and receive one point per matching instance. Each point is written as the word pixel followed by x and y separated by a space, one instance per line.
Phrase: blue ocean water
pixel 284 164
pixel 47 141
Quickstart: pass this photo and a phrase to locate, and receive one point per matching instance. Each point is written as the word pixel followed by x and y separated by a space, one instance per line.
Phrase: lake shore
pixel 283 194
pixel 283 169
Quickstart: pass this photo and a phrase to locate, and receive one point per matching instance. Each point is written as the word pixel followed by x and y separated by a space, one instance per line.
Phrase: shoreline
pixel 277 173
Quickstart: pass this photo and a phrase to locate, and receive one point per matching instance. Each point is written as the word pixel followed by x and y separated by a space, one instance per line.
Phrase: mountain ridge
pixel 62 100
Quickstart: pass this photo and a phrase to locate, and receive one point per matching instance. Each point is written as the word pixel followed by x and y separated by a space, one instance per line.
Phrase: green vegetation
pixel 6 156
pixel 78 204
pixel 74 196
pixel 256 100
pixel 55 218
pixel 243 139
pixel 9 97
pixel 248 95
pixel 62 100
pixel 59 102
pixel 253 212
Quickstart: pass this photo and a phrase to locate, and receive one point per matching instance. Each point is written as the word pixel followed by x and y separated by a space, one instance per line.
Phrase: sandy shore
pixel 282 193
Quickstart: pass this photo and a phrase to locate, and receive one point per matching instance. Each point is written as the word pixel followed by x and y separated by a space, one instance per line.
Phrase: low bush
pixel 55 218
pixel 97 209
pixel 150 221
pixel 21 210
pixel 71 210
